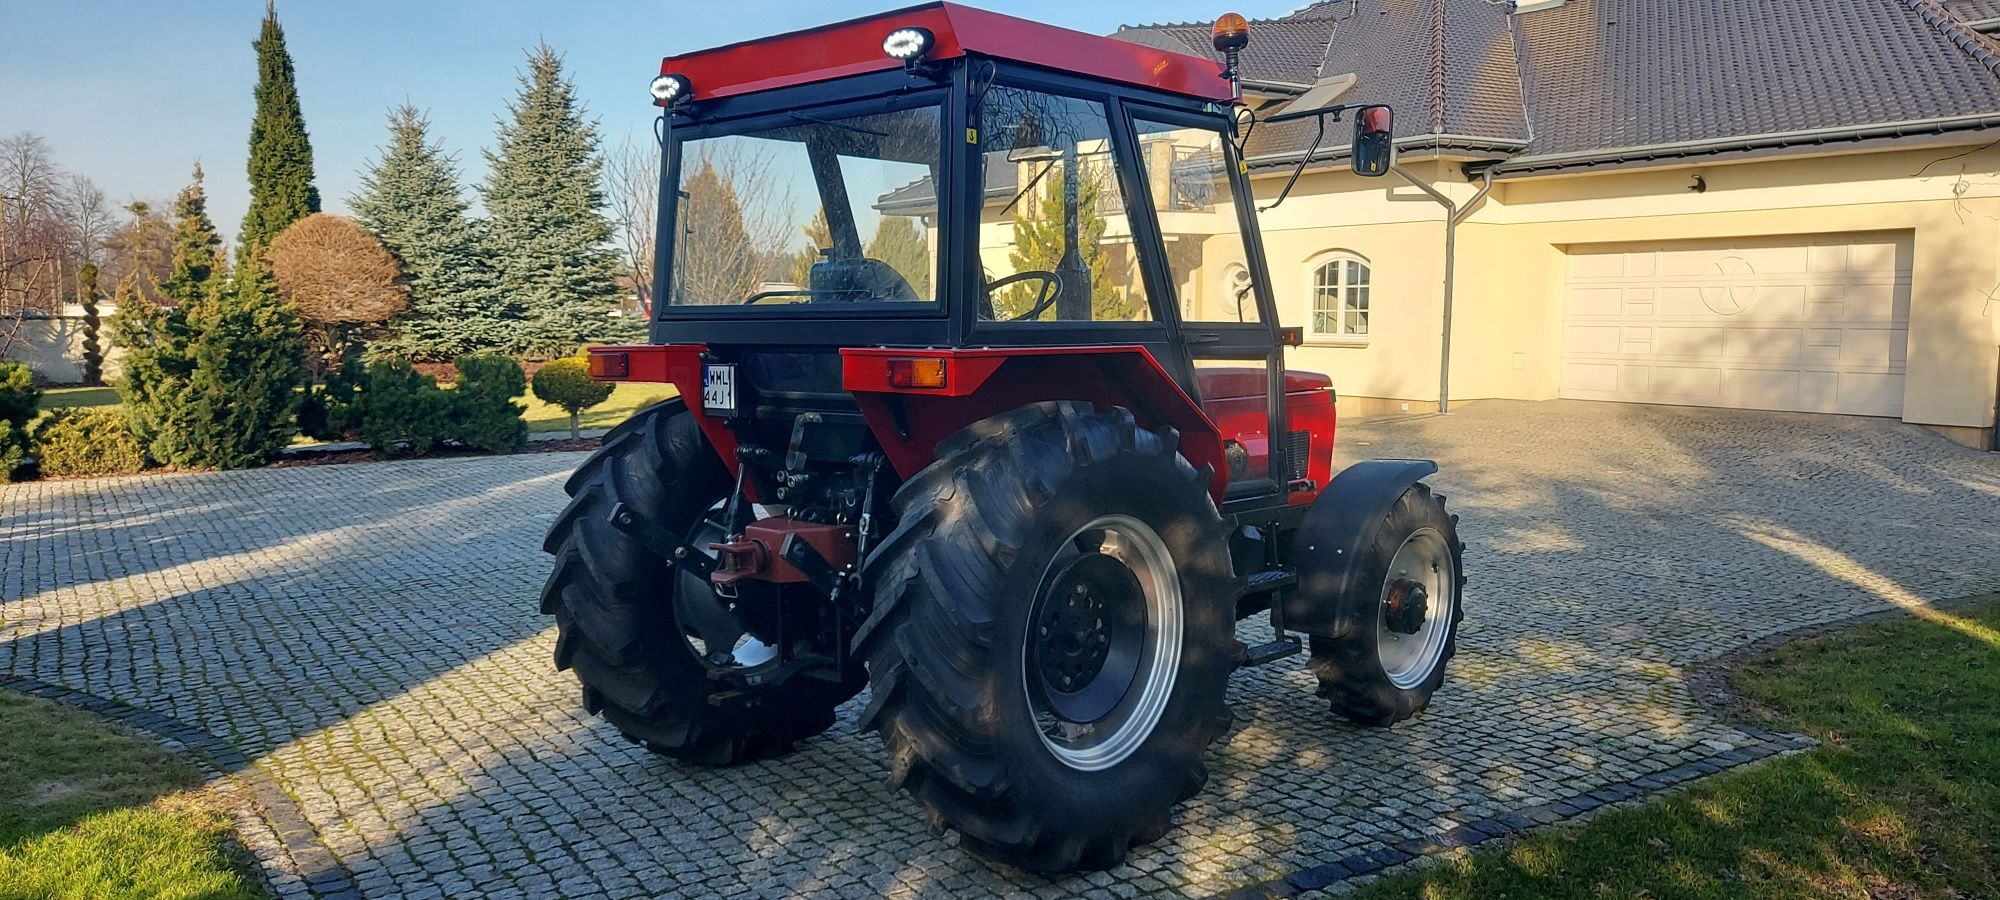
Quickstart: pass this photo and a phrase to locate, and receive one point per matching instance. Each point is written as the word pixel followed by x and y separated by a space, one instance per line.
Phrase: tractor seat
pixel 1245 382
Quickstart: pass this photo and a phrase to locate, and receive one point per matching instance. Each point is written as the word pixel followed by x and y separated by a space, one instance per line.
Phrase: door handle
pixel 1203 338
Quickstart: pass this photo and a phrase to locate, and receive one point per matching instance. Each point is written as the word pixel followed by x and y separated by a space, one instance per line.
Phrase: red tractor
pixel 984 408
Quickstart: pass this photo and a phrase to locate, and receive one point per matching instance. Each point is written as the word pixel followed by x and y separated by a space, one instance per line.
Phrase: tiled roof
pixel 1589 77
pixel 1974 10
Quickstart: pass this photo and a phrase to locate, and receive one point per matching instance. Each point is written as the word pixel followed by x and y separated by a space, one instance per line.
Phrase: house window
pixel 1340 296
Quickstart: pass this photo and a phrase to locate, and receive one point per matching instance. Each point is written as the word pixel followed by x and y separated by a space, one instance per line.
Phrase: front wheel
pixel 1405 605
pixel 1052 636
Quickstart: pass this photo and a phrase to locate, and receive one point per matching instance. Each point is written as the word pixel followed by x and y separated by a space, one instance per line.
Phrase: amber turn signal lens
pixel 1232 32
pixel 610 365
pixel 916 373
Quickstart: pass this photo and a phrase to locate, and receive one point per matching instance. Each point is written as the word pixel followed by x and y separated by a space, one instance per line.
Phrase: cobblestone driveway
pixel 366 637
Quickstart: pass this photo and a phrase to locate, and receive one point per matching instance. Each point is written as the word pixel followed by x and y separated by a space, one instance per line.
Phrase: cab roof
pixel 855 47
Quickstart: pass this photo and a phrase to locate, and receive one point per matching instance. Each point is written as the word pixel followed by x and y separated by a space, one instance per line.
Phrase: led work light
pixel 910 45
pixel 671 89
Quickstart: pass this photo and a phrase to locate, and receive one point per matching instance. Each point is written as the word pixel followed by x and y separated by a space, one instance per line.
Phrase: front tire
pixel 1052 636
pixel 1405 606
pixel 612 596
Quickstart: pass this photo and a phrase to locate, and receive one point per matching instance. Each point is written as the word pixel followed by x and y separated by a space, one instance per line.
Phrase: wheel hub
pixel 1406 607
pixel 1103 643
pixel 1081 618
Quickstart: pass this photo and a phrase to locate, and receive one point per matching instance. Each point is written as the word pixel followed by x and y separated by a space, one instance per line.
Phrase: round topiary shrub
pixel 77 442
pixel 566 383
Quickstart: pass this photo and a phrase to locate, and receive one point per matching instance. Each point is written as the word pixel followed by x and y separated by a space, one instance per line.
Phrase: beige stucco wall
pixel 1512 262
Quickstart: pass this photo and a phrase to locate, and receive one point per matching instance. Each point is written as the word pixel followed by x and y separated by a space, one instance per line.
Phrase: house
pixel 1778 205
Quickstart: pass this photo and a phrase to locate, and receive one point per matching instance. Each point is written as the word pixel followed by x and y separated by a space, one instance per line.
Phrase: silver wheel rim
pixel 1107 741
pixel 1409 659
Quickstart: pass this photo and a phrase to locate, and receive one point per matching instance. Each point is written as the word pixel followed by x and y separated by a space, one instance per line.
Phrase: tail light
pixel 917 373
pixel 610 366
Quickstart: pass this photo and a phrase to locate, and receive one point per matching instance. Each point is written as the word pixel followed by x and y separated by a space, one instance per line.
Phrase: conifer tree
pixel 88 294
pixel 819 236
pixel 1039 243
pixel 158 341
pixel 719 264
pixel 411 200
pixel 242 396
pixel 548 232
pixel 903 245
pixel 281 161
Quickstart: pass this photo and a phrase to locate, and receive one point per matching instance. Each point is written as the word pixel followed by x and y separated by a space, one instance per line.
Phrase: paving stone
pixel 365 637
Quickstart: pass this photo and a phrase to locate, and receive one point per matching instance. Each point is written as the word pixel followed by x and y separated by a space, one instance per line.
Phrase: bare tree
pixel 632 191
pixel 89 217
pixel 735 215
pixel 36 245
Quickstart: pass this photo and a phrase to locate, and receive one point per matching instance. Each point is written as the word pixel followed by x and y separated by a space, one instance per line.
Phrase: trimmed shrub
pixel 332 411
pixel 403 411
pixel 566 383
pixel 13 450
pixel 484 414
pixel 72 442
pixel 19 399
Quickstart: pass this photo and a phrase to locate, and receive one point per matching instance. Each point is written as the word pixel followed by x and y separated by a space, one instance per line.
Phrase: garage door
pixel 1814 324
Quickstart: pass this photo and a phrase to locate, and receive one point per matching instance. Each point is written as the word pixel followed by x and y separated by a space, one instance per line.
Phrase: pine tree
pixel 904 246
pixel 242 397
pixel 819 236
pixel 281 162
pixel 1039 243
pixel 410 198
pixel 197 249
pixel 548 230
pixel 718 264
pixel 158 342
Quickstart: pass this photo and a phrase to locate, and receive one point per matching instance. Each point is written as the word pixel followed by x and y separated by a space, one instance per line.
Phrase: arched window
pixel 1340 296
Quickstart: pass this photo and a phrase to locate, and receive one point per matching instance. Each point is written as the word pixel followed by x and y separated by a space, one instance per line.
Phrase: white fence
pixel 52 345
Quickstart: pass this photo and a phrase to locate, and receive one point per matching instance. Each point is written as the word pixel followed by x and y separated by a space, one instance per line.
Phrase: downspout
pixel 1454 214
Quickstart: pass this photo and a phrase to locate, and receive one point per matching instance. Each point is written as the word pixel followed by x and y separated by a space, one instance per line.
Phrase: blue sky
pixel 133 93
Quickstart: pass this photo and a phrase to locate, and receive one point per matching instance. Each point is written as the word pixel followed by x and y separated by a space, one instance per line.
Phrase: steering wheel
pixel 1052 285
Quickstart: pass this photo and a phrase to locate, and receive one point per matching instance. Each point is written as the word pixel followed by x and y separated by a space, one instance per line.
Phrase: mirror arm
pixel 1300 169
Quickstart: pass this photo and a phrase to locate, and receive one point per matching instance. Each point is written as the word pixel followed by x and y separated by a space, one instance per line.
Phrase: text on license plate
pixel 718 390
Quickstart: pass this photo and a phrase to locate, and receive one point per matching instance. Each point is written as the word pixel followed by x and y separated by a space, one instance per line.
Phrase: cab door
pixel 1215 281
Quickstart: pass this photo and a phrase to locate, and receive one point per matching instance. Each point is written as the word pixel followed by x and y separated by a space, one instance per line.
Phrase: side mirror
pixel 1374 141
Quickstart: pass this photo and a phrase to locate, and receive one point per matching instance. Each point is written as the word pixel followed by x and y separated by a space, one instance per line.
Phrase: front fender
pixel 1328 542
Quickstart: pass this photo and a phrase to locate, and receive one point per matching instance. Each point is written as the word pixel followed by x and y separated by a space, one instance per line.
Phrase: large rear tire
pixel 1405 605
pixel 1049 739
pixel 612 597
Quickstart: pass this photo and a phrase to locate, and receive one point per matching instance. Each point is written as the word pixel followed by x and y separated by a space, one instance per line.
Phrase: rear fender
pixel 987 381
pixel 1325 548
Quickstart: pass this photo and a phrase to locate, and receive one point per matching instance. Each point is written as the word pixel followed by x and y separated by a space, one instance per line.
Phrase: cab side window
pixel 1055 242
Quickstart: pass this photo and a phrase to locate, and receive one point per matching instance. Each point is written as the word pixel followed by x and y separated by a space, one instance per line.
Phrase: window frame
pixel 941 97
pixel 1158 325
pixel 1342 289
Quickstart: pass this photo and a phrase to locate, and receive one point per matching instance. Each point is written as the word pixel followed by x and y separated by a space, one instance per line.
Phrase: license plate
pixel 718 390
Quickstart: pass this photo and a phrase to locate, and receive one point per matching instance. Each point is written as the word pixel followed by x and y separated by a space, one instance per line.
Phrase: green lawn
pixel 58 398
pixel 626 399
pixel 89 810
pixel 1902 800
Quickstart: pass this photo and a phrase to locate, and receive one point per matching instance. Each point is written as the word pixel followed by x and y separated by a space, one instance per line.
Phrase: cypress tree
pixel 411 200
pixel 281 163
pixel 548 230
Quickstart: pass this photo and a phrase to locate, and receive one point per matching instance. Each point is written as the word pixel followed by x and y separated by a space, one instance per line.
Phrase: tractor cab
pixel 982 402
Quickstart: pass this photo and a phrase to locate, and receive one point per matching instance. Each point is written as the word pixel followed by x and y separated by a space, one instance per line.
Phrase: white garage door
pixel 1813 324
